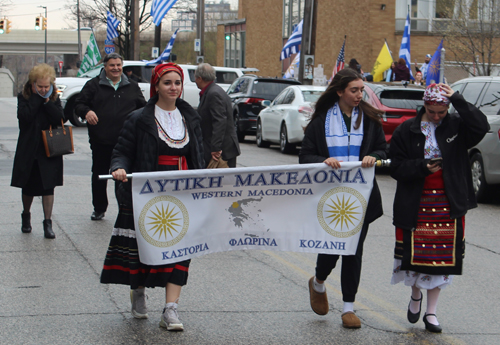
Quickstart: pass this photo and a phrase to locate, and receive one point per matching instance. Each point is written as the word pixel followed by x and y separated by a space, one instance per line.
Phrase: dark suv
pixel 247 93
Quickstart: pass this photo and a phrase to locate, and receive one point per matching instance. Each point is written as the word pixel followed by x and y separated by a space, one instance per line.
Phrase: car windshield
pixel 403 99
pixel 267 89
pixel 311 96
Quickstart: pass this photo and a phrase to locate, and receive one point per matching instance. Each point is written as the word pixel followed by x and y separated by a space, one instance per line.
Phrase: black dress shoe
pixel 26 222
pixel 97 215
pixel 413 317
pixel 431 327
pixel 47 229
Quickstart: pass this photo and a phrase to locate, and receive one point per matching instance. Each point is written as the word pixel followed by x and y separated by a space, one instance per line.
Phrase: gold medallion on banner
pixel 163 221
pixel 341 212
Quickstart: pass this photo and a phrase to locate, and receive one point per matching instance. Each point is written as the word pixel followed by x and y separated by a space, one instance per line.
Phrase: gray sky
pixel 22 13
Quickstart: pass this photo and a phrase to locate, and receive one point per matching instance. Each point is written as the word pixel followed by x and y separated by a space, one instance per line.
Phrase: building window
pixel 293 12
pixel 234 45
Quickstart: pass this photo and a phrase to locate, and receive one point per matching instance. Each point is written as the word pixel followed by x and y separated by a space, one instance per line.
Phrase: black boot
pixel 26 226
pixel 47 229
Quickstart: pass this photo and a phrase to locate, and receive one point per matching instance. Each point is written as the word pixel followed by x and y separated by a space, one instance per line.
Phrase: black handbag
pixel 58 141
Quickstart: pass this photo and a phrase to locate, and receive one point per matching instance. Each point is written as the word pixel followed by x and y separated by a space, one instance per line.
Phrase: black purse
pixel 58 141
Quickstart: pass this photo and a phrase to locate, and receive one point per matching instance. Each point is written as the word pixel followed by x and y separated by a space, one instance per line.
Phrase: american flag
pixel 159 9
pixel 112 25
pixel 340 62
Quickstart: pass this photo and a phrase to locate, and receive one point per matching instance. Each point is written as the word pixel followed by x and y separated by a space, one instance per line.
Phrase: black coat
pixel 315 150
pixel 217 125
pixel 111 106
pixel 455 135
pixel 137 149
pixel 35 115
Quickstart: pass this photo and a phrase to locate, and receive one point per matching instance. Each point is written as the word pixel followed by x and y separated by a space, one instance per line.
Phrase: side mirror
pixel 266 103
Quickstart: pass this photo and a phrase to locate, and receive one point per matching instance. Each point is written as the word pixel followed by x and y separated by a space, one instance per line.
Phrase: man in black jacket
pixel 217 126
pixel 105 101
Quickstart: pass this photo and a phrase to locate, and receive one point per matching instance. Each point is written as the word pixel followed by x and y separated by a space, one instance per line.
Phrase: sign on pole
pixel 61 63
pixel 109 46
pixel 197 45
pixel 155 52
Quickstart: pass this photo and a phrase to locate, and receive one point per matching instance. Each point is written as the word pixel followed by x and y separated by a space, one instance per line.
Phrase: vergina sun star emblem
pixel 163 221
pixel 341 211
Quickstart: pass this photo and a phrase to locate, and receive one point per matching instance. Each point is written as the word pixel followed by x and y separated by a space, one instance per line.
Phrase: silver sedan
pixel 284 119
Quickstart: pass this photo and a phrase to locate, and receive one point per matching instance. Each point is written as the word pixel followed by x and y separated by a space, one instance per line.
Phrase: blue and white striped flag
pixel 404 50
pixel 292 45
pixel 112 25
pixel 166 53
pixel 159 9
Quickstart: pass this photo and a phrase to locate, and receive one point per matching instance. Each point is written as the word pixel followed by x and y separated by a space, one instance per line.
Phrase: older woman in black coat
pixel 38 108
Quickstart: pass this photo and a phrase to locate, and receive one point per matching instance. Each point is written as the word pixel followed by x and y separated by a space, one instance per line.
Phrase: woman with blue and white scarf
pixel 344 128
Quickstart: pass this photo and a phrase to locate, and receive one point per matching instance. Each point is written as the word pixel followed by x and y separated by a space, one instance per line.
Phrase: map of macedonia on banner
pixel 302 208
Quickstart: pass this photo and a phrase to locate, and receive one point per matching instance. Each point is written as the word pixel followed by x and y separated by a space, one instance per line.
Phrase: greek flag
pixel 404 50
pixel 166 53
pixel 292 45
pixel 160 8
pixel 112 25
pixel 92 56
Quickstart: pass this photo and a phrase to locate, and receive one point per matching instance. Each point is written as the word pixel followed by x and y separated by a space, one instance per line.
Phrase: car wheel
pixel 285 146
pixel 478 180
pixel 239 134
pixel 69 114
pixel 258 136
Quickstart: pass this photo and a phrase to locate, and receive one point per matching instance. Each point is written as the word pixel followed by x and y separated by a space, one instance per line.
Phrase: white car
pixel 484 93
pixel 69 88
pixel 284 119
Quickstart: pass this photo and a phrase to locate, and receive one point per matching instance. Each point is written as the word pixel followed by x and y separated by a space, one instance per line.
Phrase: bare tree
pixel 93 13
pixel 472 32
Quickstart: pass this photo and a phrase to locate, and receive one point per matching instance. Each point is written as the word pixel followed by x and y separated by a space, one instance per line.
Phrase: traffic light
pixel 2 26
pixel 37 23
pixel 8 26
pixel 44 23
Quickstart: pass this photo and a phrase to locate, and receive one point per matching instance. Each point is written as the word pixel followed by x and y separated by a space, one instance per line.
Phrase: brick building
pixel 256 38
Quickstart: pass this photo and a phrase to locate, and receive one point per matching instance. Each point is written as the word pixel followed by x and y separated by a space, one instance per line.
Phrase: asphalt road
pixel 50 290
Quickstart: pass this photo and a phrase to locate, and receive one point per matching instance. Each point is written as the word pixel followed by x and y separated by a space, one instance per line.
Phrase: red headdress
pixel 160 70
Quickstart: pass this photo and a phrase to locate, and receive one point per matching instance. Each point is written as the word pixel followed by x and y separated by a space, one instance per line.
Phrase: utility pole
pixel 134 35
pixel 200 26
pixel 79 35
pixel 45 7
pixel 157 40
pixel 308 45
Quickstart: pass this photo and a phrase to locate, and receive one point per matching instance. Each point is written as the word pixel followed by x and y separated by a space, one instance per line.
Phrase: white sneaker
pixel 138 299
pixel 170 319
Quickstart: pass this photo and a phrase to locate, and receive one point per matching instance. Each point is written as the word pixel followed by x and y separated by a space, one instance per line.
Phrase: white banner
pixel 301 208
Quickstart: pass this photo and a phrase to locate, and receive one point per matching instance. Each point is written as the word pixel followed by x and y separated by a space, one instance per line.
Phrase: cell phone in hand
pixel 436 160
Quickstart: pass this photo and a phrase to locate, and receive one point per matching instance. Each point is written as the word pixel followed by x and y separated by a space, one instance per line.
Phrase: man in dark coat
pixel 105 101
pixel 217 125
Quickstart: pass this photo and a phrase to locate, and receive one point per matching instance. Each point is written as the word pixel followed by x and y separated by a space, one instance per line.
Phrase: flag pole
pixel 388 49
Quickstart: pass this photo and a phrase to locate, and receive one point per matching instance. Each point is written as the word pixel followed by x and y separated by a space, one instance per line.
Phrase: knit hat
pixel 433 95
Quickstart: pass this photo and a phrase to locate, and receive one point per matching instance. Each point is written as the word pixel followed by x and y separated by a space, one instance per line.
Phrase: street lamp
pixel 44 24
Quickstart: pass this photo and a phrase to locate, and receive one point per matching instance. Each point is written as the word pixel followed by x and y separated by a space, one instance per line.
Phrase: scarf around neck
pixel 343 144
